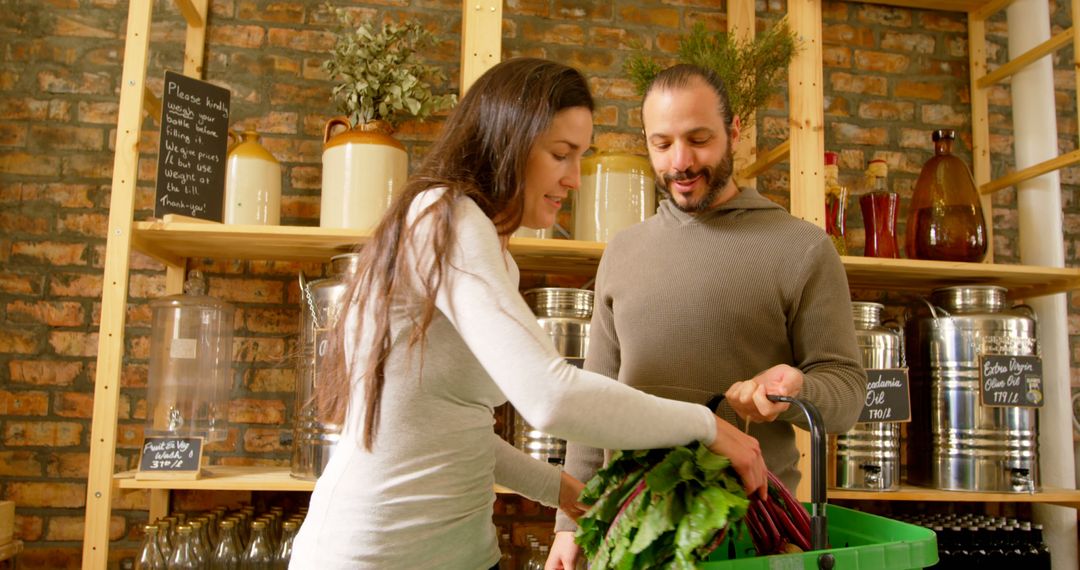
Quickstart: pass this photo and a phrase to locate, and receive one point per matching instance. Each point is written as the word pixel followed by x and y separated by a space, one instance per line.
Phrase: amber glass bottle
pixel 945 221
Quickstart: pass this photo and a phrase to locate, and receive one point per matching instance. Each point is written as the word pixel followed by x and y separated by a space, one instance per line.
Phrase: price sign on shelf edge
pixel 170 457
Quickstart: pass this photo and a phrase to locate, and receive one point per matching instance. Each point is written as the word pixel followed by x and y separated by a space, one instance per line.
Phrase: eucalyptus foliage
pixel 750 69
pixel 380 74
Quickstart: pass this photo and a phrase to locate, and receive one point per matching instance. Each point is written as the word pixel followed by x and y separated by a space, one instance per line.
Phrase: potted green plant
pixel 380 74
pixel 381 82
pixel 750 69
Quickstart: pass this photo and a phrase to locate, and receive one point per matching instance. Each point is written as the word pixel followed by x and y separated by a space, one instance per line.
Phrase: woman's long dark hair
pixel 480 153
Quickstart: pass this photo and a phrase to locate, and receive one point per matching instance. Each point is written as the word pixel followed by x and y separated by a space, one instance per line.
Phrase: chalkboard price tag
pixel 170 457
pixel 1011 381
pixel 887 396
pixel 192 149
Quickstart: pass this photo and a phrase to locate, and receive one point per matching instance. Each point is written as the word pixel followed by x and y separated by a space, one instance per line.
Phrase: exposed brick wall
pixel 891 76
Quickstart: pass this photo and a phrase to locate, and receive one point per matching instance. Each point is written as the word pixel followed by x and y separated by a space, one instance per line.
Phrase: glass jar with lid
pixel 190 374
pixel 617 191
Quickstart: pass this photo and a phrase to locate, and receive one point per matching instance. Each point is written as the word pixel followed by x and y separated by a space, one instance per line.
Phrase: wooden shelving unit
pixel 1062 497
pixel 175 242
pixel 253 478
pixel 172 242
pixel 240 478
pixel 224 478
pixel 232 478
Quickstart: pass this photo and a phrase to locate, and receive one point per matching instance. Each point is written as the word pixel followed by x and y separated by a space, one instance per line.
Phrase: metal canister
pixel 314 437
pixel 563 313
pixel 868 455
pixel 956 442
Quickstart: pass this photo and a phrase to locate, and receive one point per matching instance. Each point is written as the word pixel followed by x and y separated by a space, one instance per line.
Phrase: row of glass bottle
pixel 221 540
pixel 945 219
pixel 985 542
pixel 531 558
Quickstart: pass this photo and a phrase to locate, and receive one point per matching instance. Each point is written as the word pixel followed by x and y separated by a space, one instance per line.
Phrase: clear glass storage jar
pixel 190 373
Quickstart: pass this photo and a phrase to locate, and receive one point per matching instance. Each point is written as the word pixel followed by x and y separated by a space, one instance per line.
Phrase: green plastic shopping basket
pixel 855 540
pixel 858 541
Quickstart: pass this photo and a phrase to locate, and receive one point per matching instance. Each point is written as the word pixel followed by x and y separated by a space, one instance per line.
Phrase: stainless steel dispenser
pixel 190 374
pixel 564 314
pixel 868 455
pixel 955 441
pixel 314 438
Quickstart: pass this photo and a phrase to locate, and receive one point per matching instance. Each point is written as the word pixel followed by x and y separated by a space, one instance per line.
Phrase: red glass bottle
pixel 880 210
pixel 946 219
pixel 835 203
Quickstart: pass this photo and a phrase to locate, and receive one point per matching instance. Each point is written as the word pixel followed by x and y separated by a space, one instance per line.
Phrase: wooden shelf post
pixel 114 288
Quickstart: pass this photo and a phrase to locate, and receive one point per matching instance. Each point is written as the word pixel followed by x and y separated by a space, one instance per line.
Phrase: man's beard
pixel 716 178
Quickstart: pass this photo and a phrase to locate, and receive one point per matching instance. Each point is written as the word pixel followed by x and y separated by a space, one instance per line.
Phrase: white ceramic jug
pixel 363 167
pixel 252 182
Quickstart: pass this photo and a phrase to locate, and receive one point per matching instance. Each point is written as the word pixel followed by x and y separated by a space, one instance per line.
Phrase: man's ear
pixel 736 128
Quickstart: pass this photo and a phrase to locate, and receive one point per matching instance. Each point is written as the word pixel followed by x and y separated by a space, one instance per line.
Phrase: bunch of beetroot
pixel 778 524
pixel 671 507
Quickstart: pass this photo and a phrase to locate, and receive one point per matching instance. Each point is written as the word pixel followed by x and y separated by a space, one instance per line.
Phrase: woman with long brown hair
pixel 435 336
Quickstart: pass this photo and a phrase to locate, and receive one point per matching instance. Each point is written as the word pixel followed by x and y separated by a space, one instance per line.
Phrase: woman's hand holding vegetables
pixel 564 552
pixel 745 454
pixel 750 399
pixel 569 491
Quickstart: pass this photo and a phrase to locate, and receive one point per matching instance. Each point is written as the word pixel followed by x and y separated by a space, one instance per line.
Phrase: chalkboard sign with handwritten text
pixel 191 154
pixel 887 396
pixel 1011 381
pixel 170 456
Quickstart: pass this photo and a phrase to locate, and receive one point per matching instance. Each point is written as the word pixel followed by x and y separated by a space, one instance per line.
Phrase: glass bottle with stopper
pixel 880 208
pixel 945 221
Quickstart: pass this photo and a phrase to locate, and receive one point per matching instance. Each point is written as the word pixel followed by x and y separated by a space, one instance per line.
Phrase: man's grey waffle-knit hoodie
pixel 687 304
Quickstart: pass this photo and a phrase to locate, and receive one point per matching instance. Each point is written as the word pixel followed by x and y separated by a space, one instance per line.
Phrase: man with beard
pixel 721 285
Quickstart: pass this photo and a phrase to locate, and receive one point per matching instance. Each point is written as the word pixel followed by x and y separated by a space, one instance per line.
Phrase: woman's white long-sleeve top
pixel 422 497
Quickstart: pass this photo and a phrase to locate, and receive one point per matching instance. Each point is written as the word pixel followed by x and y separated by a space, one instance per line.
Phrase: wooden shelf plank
pixel 767 160
pixel 172 241
pixel 936 5
pixel 557 255
pixel 191 13
pixel 169 241
pixel 152 105
pixel 1063 497
pixel 990 8
pixel 1020 62
pixel 10 549
pixel 262 478
pixel 233 478
pixel 1030 172
pixel 225 478
pixel 918 276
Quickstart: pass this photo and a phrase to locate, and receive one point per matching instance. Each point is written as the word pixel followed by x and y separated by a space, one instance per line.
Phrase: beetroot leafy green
pixel 660 507
pixel 670 508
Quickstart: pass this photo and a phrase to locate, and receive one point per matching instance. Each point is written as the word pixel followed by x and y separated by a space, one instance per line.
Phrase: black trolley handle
pixel 818 454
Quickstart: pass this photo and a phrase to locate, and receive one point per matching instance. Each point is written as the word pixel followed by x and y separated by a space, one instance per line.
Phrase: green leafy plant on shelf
pixel 750 69
pixel 380 74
